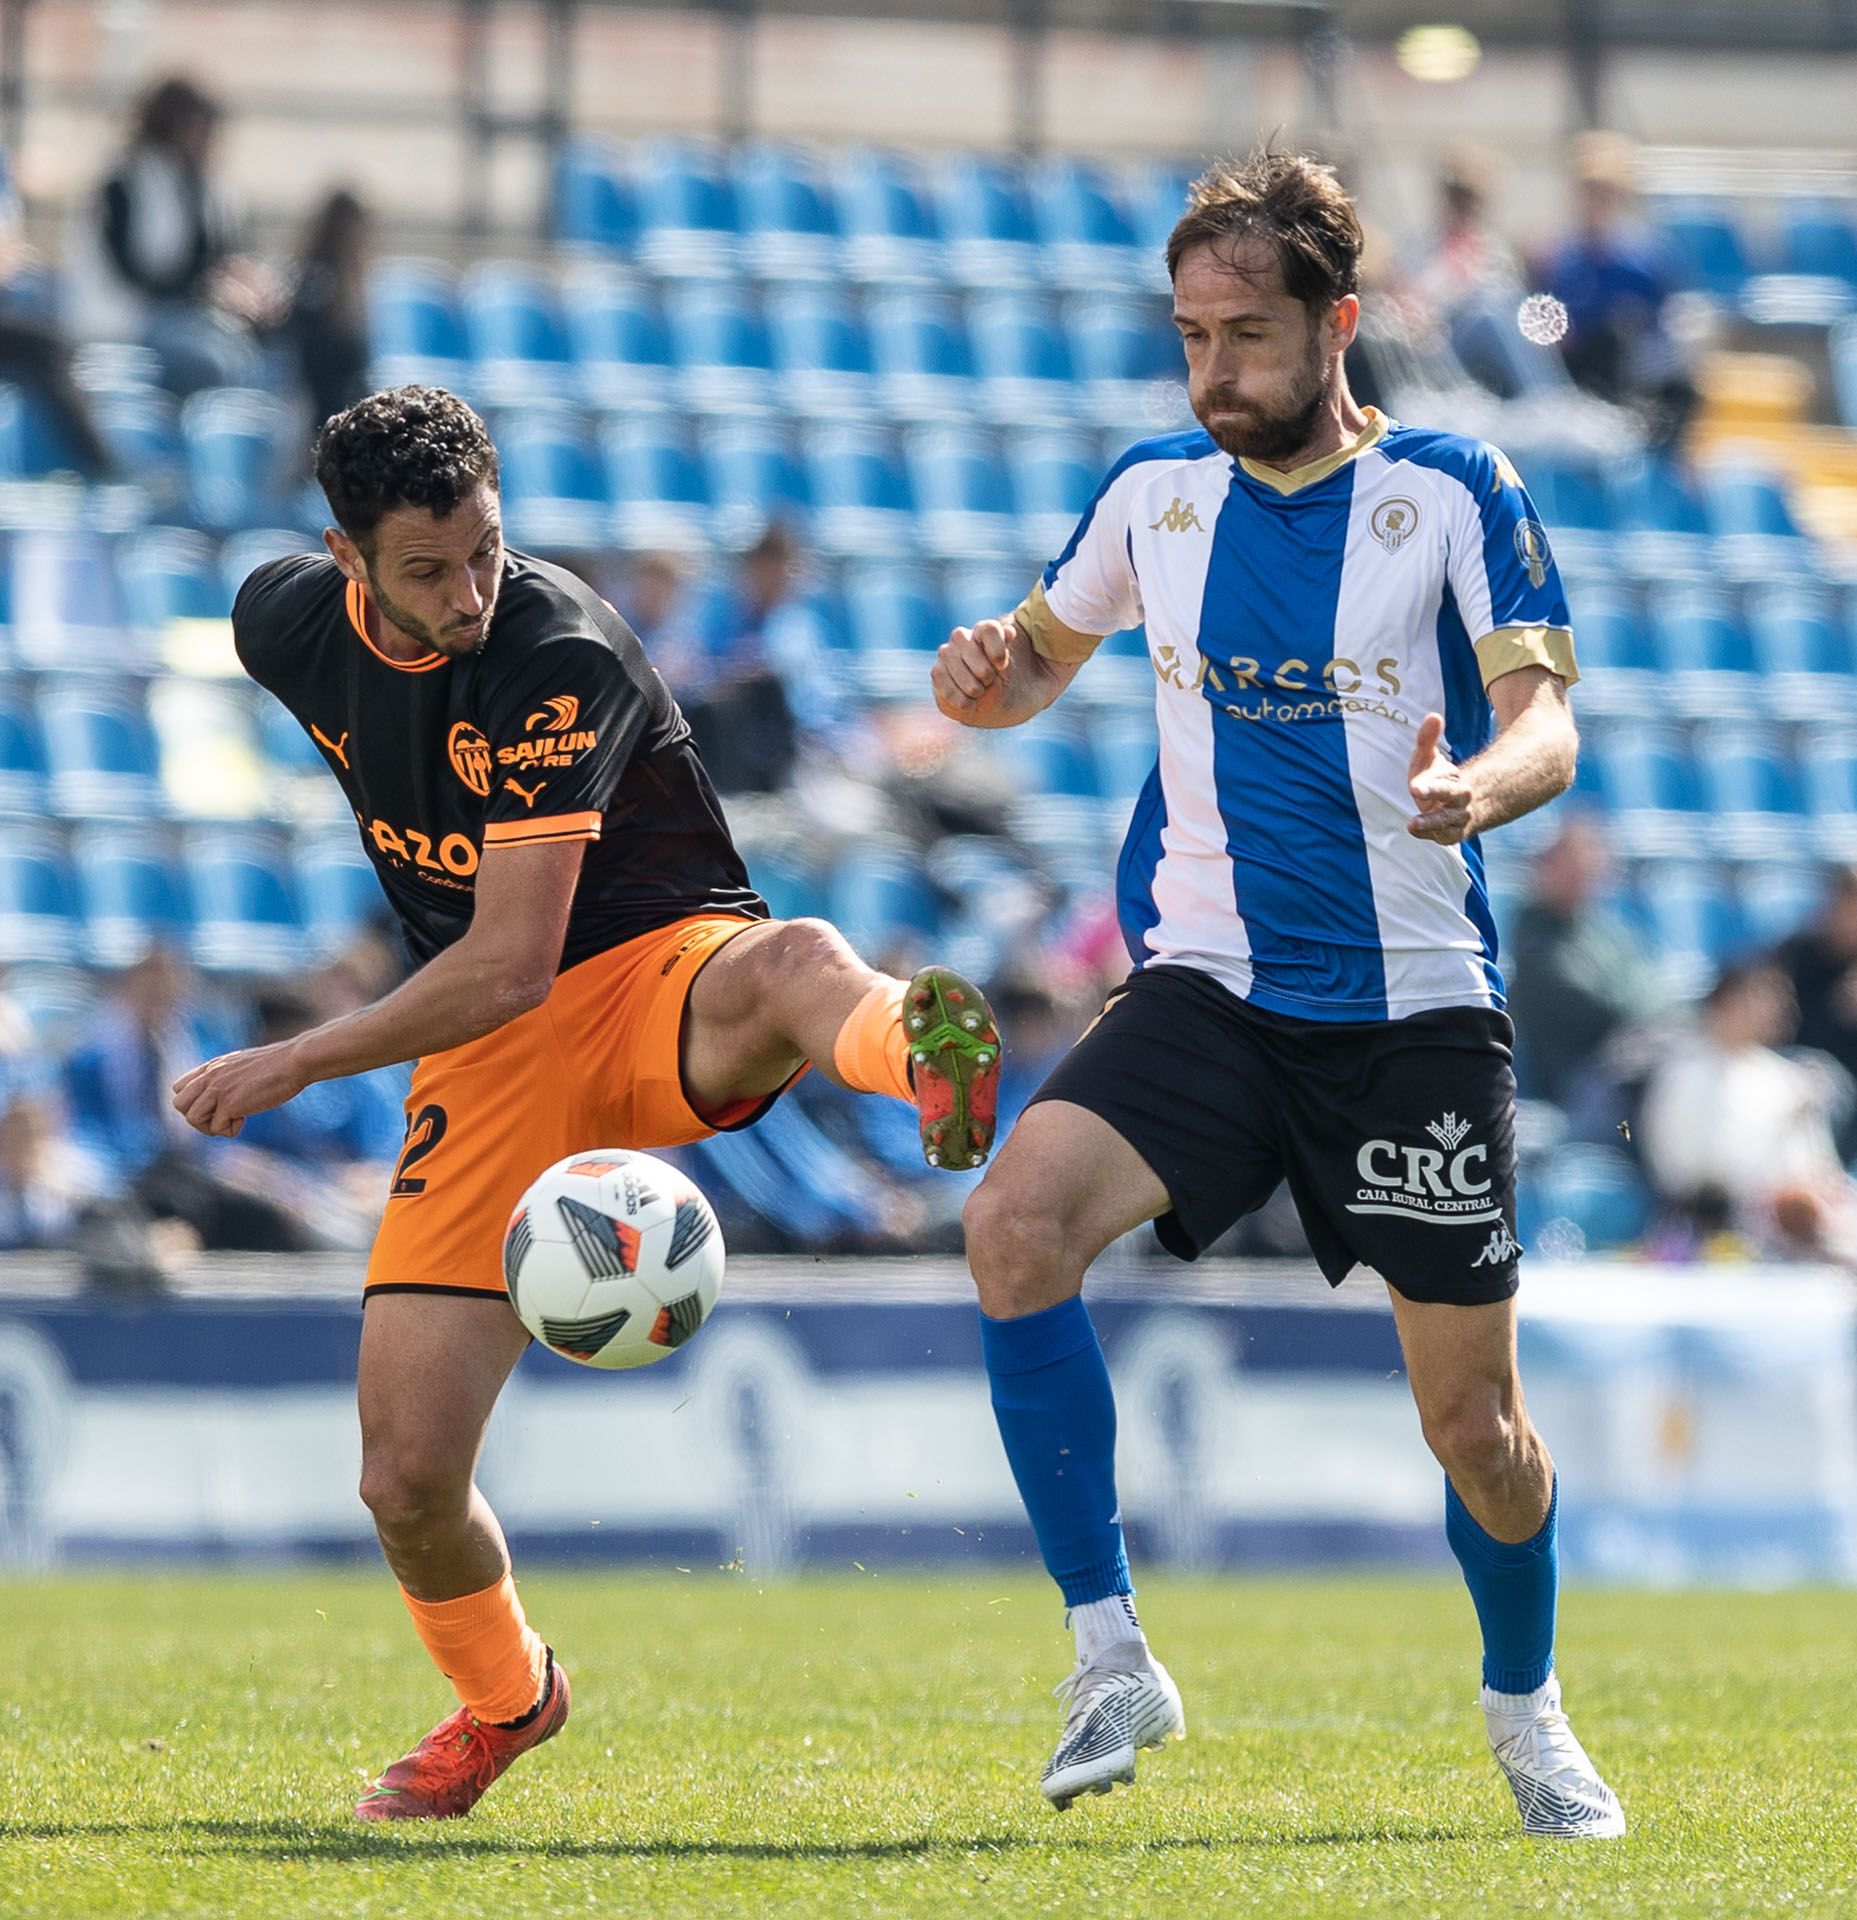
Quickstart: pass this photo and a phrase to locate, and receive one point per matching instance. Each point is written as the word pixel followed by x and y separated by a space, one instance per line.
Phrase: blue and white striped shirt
pixel 1300 626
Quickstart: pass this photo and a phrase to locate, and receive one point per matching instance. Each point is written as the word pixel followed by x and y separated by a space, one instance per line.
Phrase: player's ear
pixel 345 554
pixel 1344 319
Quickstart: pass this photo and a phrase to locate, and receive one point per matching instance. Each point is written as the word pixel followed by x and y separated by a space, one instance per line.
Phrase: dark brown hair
pixel 406 447
pixel 1287 199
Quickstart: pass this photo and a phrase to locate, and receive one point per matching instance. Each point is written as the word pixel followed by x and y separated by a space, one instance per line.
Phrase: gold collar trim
pixel 1299 477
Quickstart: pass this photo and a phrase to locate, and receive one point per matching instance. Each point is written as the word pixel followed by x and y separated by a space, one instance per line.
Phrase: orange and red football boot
pixel 954 1065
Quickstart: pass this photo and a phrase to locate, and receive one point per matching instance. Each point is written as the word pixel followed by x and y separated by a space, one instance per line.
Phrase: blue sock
pixel 1513 1586
pixel 1056 1413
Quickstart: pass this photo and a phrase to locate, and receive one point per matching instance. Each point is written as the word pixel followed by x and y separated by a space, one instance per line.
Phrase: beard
pixel 438 639
pixel 1272 434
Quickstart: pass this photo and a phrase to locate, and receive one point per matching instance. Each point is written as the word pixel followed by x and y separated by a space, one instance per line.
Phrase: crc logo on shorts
pixel 470 757
pixel 1444 1185
pixel 1393 523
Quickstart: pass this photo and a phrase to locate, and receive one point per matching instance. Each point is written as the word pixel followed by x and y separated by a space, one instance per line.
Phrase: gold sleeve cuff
pixel 1511 647
pixel 1050 637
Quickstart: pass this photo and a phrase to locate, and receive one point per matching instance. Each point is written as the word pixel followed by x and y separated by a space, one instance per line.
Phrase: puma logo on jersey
pixel 337 747
pixel 560 713
pixel 1180 517
pixel 526 795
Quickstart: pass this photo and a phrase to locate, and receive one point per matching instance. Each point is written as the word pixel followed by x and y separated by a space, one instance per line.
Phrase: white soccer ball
pixel 612 1258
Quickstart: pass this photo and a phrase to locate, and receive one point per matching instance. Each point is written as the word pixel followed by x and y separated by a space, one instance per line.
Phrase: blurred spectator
pixel 46 1180
pixel 1576 973
pixel 1615 279
pixel 34 354
pixel 658 606
pixel 327 324
pixel 153 258
pixel 1737 1134
pixel 119 1083
pixel 1821 962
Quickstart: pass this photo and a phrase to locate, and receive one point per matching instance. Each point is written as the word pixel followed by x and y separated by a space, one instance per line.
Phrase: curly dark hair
pixel 1288 199
pixel 405 447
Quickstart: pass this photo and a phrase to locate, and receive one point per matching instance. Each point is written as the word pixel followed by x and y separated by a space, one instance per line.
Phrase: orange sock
pixel 483 1644
pixel 872 1051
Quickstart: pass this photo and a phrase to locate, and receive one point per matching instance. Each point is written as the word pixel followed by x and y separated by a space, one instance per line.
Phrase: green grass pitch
pixel 190 1744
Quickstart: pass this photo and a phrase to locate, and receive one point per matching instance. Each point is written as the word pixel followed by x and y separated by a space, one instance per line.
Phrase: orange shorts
pixel 595 1065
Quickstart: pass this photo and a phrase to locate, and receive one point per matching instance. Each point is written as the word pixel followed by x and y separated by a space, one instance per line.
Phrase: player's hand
pixel 218 1097
pixel 972 669
pixel 1439 788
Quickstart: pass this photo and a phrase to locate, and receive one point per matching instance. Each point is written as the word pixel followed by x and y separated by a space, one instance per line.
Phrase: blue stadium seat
pixel 1156 200
pixel 861 497
pixel 1806 664
pixel 1024 362
pixel 519 341
pixel 754 477
pixel 689 222
pixel 1054 477
pixel 130 894
pixel 1661 518
pixel 1819 237
pixel 987 222
pixel 1127 749
pixel 789 217
pixel 141 428
pixel 892 232
pixel 655 481
pixel 621 345
pixel 923 356
pixel 1694 920
pixel 1828 769
pixel 1778 898
pixel 67 603
pixel 822 353
pixel 1618 666
pixel 1706 239
pixel 1648 783
pixel 1843 349
pixel 339 892
pixel 722 349
pixel 1089 240
pixel 963 494
pixel 1596 1191
pixel 22 755
pixel 879 899
pixel 100 750
pixel 287 749
pixel 38 906
pixel 1128 356
pixel 1756 534
pixel 245 914
pixel 235 439
pixel 1047 760
pixel 790 885
pixel 1703 652
pixel 170 574
pixel 1752 787
pixel 416 331
pixel 596 204
pixel 1568 495
pixel 554 490
pixel 895 619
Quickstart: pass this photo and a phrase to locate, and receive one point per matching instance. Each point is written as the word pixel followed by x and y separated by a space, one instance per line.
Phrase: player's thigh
pixel 431 1367
pixel 1461 1362
pixel 1062 1188
pixel 764 999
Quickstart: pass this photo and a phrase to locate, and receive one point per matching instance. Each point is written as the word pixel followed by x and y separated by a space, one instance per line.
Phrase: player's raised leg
pixel 432 1365
pixel 1501 1516
pixel 789 992
pixel 1063 1187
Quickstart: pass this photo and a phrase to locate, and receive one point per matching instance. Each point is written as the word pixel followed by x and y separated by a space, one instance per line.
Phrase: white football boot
pixel 1119 1701
pixel 1557 1788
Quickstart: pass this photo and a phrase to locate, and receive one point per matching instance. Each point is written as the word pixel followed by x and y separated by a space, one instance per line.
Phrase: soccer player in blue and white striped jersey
pixel 1363 654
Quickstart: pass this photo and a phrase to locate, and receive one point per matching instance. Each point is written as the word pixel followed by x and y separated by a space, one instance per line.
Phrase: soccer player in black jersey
pixel 595 969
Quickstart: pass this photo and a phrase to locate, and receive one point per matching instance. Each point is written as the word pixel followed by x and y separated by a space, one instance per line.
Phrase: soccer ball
pixel 612 1258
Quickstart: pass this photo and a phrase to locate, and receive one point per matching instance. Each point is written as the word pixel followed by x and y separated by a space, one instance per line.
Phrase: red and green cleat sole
pixel 954 1057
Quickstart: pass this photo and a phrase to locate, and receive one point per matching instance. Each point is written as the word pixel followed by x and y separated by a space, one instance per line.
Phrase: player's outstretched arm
pixel 504 966
pixel 1529 763
pixel 990 675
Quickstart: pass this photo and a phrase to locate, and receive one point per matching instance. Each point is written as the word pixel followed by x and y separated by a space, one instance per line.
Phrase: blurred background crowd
pixel 796 409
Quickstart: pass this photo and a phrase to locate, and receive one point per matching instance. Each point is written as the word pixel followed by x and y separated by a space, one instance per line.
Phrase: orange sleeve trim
pixel 560 826
pixel 358 619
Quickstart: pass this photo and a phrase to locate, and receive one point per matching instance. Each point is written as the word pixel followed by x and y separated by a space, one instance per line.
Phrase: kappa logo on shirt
pixel 1181 517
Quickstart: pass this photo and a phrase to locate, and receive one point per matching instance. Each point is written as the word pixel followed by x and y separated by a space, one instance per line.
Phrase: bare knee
pixel 1479 1442
pixel 409 1488
pixel 1019 1249
pixel 805 951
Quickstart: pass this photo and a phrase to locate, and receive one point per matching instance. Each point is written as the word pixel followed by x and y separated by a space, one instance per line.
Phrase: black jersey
pixel 558 729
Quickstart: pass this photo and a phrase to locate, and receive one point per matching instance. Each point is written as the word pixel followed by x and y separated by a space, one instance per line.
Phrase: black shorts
pixel 1397 1137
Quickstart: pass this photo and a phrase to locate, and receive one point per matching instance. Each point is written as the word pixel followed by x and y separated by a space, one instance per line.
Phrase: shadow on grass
pixel 292 1840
